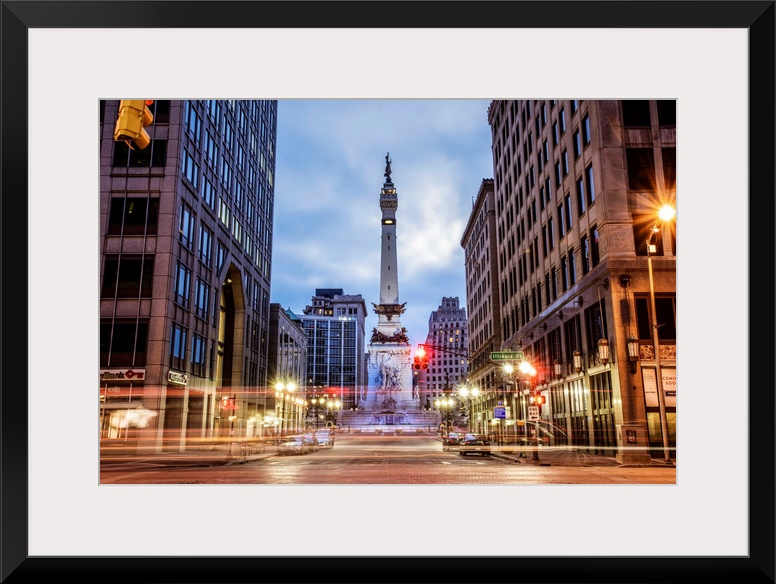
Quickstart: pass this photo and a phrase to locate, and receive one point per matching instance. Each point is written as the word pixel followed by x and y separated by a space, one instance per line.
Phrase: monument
pixel 389 393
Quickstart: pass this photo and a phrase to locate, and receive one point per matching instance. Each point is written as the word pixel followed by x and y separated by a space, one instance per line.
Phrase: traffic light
pixel 134 115
pixel 421 358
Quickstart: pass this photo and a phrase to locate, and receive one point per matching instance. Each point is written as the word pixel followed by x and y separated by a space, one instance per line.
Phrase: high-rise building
pixel 479 242
pixel 578 185
pixel 334 325
pixel 185 256
pixel 448 349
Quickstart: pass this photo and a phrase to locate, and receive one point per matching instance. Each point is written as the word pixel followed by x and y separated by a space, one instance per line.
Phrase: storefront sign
pixel 122 375
pixel 650 386
pixel 177 378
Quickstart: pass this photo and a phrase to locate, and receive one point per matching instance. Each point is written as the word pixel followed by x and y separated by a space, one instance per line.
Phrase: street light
pixel 528 372
pixel 283 392
pixel 445 403
pixel 469 394
pixel 666 213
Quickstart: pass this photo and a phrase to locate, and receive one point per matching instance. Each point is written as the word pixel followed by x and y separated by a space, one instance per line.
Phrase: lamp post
pixel 528 372
pixel 666 213
pixel 283 392
pixel 469 395
pixel 445 404
pixel 332 405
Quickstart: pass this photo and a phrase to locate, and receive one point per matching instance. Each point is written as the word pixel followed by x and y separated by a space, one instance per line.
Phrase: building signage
pixel 122 375
pixel 507 356
pixel 650 386
pixel 500 412
pixel 177 378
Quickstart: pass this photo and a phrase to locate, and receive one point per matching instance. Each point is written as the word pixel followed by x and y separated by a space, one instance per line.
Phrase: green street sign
pixel 507 356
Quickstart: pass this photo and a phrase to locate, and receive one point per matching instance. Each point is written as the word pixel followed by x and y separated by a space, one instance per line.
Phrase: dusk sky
pixel 329 171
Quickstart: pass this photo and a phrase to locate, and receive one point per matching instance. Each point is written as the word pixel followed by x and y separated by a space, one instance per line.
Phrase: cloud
pixel 329 172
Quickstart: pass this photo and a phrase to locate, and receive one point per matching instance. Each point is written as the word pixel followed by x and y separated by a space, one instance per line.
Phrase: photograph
pixel 267 288
pixel 379 292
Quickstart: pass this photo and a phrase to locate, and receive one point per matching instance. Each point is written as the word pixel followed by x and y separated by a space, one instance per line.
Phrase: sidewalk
pixel 219 455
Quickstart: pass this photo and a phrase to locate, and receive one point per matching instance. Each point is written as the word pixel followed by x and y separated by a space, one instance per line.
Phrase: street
pixel 368 459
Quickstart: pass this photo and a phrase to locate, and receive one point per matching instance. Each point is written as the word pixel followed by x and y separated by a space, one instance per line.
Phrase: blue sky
pixel 328 175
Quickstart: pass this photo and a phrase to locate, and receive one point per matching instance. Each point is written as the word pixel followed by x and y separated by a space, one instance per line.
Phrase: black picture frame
pixel 19 16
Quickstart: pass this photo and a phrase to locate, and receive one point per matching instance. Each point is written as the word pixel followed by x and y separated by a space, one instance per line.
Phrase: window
pixel 665 311
pixel 557 175
pixel 561 229
pixel 178 346
pixel 577 145
pixel 555 134
pixel 205 244
pixel 565 161
pixel 568 212
pixel 224 213
pixel 574 105
pixel 584 251
pixel 586 130
pixel 581 201
pixel 669 167
pixel 564 273
pixel 186 227
pixel 128 277
pixel 590 184
pixel 192 121
pixel 182 284
pixel 666 112
pixel 211 151
pixel 202 299
pixel 220 257
pixel 572 268
pixel 153 155
pixel 562 121
pixel 190 168
pixel 594 249
pixel 209 193
pixel 123 343
pixel 635 112
pixel 641 169
pixel 214 111
pixel 198 344
pixel 133 216
pixel 550 233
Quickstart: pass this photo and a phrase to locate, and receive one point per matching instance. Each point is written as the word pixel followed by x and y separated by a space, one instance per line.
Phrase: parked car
pixel 293 445
pixel 475 444
pixel 452 441
pixel 325 438
pixel 312 441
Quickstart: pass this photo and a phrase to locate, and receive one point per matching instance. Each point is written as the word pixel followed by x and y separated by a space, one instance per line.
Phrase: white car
pixel 325 438
pixel 293 445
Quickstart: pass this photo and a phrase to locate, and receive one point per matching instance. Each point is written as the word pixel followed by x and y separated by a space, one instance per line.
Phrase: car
pixel 475 444
pixel 452 441
pixel 293 445
pixel 325 438
pixel 312 441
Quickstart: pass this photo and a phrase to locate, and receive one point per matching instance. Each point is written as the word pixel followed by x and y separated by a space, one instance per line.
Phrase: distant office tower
pixel 578 185
pixel 448 342
pixel 334 325
pixel 185 256
pixel 389 371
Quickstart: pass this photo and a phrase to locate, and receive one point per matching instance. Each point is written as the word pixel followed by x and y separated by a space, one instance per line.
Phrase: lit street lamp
pixel 666 213
pixel 469 394
pixel 283 392
pixel 528 372
pixel 445 404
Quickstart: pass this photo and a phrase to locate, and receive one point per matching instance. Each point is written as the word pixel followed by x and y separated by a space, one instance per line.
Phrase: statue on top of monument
pixel 387 165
